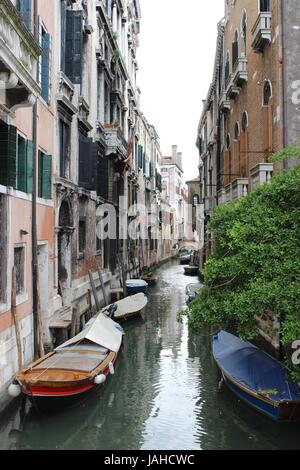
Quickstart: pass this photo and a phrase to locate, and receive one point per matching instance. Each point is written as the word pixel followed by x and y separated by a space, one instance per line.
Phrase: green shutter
pixel 73 51
pixel 144 163
pixel 30 162
pixel 8 155
pixel 21 165
pixel 45 176
pixel 140 156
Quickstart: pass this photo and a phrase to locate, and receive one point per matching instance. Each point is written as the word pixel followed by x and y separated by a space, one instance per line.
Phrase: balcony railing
pixel 116 144
pixel 261 174
pixel 240 74
pixel 262 31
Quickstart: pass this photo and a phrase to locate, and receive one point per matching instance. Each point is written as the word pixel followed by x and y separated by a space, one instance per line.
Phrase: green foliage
pixel 255 267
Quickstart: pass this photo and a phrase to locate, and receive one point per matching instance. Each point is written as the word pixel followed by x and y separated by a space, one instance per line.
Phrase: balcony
pixel 235 190
pixel 261 174
pixel 232 90
pixel 240 73
pixel 116 145
pixel 19 54
pixel 262 31
pixel 224 103
pixel 239 188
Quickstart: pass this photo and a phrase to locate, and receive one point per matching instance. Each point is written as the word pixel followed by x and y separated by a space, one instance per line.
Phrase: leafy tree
pixel 255 266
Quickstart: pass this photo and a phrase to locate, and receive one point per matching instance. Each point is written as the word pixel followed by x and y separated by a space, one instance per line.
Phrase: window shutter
pixel 30 161
pixel 144 163
pixel 74 24
pixel 45 78
pixel 103 176
pixel 63 35
pixel 8 156
pixel 88 156
pixel 45 176
pixel 21 165
pixel 140 156
pixel 25 9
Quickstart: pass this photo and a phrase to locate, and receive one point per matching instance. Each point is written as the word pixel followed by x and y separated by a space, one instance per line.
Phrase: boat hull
pixel 191 270
pixel 283 411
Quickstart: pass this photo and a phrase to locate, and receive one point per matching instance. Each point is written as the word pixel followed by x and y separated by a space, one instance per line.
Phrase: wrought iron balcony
pixel 262 31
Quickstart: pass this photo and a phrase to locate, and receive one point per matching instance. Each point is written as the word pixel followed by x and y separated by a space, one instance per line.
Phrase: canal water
pixel 165 394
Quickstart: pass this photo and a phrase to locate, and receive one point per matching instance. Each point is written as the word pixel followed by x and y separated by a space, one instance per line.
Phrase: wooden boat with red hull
pixel 76 367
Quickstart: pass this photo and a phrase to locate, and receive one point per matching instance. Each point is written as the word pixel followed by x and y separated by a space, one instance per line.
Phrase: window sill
pixel 80 256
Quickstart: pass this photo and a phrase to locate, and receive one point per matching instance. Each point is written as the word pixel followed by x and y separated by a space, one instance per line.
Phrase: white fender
pixel 111 368
pixel 100 379
pixel 14 390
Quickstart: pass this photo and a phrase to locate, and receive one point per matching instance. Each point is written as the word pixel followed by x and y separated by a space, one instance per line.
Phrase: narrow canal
pixel 165 394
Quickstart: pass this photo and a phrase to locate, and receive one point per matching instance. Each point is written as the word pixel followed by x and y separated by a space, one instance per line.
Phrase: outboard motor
pixel 112 310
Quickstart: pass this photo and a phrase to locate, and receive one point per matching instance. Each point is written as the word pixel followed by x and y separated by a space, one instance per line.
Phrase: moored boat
pixel 191 270
pixel 150 278
pixel 136 286
pixel 76 367
pixel 127 308
pixel 192 290
pixel 257 378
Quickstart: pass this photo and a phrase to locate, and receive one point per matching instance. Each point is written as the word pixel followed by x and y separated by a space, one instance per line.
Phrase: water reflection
pixel 165 394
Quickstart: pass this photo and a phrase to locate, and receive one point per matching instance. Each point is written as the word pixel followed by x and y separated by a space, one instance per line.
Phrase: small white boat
pixel 129 307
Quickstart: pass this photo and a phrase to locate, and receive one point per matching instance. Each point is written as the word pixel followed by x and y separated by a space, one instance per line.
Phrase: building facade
pixel 174 191
pixel 75 151
pixel 251 108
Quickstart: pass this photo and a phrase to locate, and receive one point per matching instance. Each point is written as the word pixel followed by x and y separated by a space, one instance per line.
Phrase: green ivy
pixel 255 266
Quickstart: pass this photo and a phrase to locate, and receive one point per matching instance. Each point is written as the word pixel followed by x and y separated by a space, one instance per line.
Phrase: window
pixel 237 131
pixel 45 65
pixel 21 164
pixel 64 148
pixel 244 122
pixel 235 50
pixel 267 93
pixel 244 33
pixel 264 5
pixel 81 235
pixel 195 200
pixel 19 260
pixel 45 176
pixel 71 43
pixel 228 142
pixel 227 68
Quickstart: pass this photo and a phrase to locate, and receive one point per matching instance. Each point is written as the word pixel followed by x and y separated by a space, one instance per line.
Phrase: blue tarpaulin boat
pixel 257 378
pixel 136 286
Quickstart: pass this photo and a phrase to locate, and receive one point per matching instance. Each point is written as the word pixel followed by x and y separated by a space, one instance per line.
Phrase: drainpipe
pixel 283 76
pixel 35 293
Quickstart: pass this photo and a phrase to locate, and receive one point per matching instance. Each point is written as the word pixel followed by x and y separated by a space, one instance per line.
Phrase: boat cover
pixel 101 331
pixel 131 304
pixel 136 283
pixel 253 368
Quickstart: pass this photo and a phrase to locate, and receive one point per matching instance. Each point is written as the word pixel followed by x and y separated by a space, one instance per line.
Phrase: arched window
pixel 196 200
pixel 228 142
pixel 245 122
pixel 227 67
pixel 267 93
pixel 264 5
pixel 235 49
pixel 244 33
pixel 237 131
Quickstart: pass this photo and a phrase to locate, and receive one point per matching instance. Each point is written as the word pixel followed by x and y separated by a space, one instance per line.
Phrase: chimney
pixel 174 153
pixel 179 159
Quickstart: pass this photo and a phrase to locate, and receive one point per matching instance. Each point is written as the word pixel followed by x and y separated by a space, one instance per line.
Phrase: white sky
pixel 176 57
